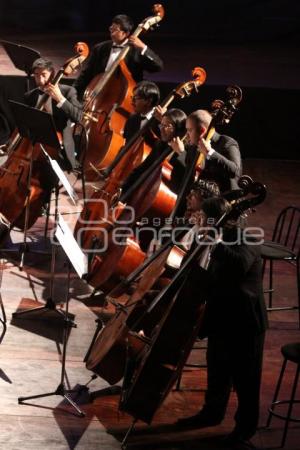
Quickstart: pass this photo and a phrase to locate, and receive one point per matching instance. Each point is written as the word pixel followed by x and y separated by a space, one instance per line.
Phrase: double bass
pixel 165 352
pixel 107 102
pixel 147 191
pixel 28 163
pixel 100 208
pixel 107 356
pixel 103 264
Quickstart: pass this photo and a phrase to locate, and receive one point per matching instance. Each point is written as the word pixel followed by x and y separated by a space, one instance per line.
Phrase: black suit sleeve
pixel 151 61
pixel 72 107
pixel 95 64
pixel 230 158
pixel 239 258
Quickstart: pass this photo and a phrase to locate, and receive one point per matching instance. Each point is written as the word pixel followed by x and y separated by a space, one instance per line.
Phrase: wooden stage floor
pixel 30 350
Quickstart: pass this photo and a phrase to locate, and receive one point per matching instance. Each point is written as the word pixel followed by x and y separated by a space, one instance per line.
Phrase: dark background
pixel 253 43
pixel 211 21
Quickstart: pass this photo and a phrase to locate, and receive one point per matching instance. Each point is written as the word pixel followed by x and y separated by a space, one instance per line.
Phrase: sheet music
pixel 66 239
pixel 64 180
pixel 62 177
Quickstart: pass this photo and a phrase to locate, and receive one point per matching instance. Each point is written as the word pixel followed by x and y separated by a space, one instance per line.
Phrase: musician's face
pixel 117 34
pixel 193 201
pixel 140 105
pixel 192 132
pixel 42 77
pixel 167 129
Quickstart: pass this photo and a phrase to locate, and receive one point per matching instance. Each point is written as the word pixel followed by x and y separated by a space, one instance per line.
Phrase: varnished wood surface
pixel 30 354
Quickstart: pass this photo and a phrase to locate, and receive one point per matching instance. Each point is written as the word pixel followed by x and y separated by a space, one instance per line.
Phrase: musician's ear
pixel 202 130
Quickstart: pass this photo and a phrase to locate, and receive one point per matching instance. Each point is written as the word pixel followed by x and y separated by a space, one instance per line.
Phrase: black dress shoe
pixel 199 420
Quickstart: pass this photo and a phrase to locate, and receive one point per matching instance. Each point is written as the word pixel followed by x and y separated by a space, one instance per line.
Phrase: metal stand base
pixel 124 442
pixel 50 305
pixel 61 390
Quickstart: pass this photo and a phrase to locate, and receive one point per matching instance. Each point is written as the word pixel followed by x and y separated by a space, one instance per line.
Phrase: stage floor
pixel 31 352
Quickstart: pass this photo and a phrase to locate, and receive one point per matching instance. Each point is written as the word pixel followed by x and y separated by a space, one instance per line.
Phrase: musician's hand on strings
pixel 136 42
pixel 159 112
pixel 54 92
pixel 204 146
pixel 177 145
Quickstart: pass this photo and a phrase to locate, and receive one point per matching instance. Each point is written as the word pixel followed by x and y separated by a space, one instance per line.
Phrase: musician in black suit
pixel 172 128
pixel 222 155
pixel 145 98
pixel 140 57
pixel 62 104
pixel 235 321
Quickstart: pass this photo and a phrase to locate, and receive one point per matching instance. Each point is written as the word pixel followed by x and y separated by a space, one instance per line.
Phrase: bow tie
pixel 117 46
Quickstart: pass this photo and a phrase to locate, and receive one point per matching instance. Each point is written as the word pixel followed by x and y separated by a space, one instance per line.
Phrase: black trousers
pixel 235 361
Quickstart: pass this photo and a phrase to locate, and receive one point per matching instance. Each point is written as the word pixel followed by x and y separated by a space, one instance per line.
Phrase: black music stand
pixel 22 57
pixel 34 124
pixel 38 127
pixel 61 388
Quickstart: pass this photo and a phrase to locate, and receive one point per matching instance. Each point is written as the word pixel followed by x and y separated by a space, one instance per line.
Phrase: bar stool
pixel 290 352
pixel 284 246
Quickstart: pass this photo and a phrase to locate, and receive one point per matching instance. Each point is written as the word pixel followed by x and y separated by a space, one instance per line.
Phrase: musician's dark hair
pixel 125 22
pixel 201 117
pixel 206 188
pixel 148 90
pixel 215 207
pixel 178 118
pixel 42 63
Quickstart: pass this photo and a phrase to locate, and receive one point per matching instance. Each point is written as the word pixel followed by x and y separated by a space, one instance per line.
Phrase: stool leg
pixel 276 391
pixel 271 283
pixel 263 268
pixel 177 388
pixel 298 289
pixel 291 403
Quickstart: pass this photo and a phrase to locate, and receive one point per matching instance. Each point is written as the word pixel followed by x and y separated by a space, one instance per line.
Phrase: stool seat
pixel 291 352
pixel 272 250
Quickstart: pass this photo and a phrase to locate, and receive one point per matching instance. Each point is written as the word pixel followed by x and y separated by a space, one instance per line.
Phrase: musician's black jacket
pixel 232 287
pixel 135 61
pixel 224 166
pixel 69 112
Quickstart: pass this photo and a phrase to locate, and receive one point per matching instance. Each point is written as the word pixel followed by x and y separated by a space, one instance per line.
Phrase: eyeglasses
pixel 167 126
pixel 136 97
pixel 114 28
